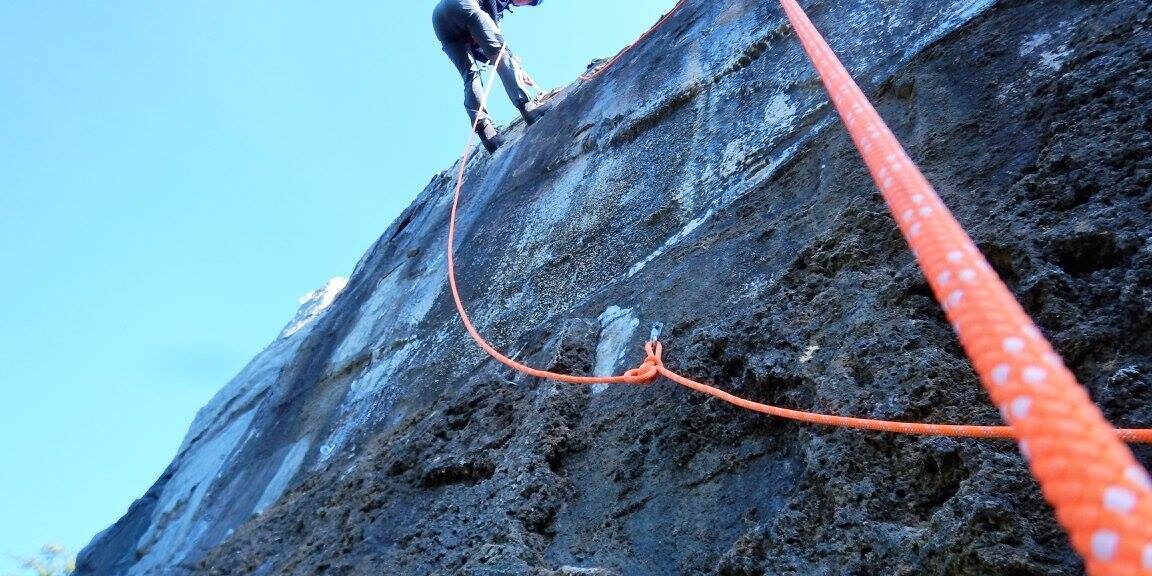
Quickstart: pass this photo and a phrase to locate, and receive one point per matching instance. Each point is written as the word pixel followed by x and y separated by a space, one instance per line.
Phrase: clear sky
pixel 173 176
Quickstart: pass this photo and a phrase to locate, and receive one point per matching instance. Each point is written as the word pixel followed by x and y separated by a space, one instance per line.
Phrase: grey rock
pixel 702 182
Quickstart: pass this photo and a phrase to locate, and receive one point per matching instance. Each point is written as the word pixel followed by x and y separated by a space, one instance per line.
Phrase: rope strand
pixel 1101 495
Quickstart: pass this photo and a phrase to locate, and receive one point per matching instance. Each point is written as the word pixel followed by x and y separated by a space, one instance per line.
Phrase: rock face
pixel 703 182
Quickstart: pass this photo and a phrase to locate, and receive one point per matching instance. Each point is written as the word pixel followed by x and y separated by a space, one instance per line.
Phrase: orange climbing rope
pixel 913 428
pixel 653 366
pixel 1101 495
pixel 644 374
pixel 601 68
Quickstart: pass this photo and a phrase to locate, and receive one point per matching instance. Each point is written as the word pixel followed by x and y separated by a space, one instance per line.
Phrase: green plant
pixel 53 560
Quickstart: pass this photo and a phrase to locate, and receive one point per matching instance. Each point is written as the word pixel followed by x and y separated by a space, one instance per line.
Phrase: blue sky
pixel 173 176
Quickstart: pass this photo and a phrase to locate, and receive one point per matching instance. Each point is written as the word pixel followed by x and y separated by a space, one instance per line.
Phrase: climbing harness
pixel 1100 493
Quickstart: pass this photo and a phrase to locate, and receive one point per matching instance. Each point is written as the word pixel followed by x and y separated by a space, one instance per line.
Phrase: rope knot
pixel 648 370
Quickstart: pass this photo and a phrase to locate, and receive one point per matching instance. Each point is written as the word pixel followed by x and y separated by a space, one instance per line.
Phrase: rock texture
pixel 702 182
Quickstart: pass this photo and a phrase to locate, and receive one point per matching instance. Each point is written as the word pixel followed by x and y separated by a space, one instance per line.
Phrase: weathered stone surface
pixel 704 183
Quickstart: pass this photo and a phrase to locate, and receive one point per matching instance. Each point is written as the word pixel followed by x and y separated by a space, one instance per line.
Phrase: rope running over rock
pixel 1102 496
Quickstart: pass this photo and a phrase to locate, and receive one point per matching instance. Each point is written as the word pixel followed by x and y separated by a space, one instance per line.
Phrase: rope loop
pixel 1101 494
pixel 648 370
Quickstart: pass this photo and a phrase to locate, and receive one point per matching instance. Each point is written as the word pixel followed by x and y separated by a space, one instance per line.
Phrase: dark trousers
pixel 458 22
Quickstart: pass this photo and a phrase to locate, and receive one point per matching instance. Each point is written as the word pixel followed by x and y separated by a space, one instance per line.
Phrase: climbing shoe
pixel 532 111
pixel 489 136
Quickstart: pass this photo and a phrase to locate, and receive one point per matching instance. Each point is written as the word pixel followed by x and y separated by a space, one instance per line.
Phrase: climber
pixel 469 31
